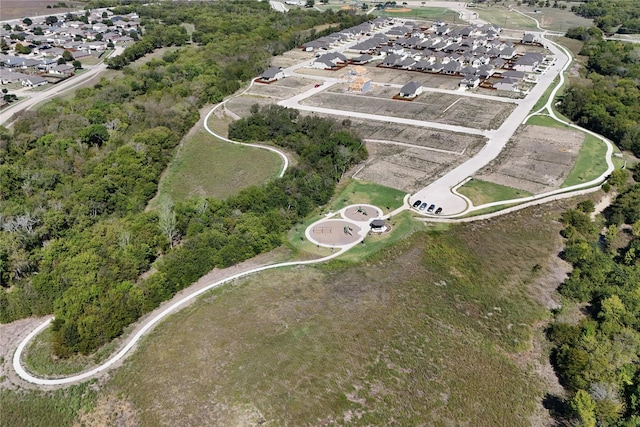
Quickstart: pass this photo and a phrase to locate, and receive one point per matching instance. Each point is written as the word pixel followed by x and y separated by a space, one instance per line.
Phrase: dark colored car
pixel 438 211
pixel 422 206
pixel 417 203
pixel 431 208
pixel 318 84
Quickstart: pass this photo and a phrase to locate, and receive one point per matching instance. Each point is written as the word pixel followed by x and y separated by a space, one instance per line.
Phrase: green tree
pixel 77 64
pixel 95 134
pixel 67 55
pixel 20 48
pixel 584 409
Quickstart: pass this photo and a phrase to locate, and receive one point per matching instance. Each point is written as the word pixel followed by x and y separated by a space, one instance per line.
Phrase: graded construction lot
pixel 537 159
pixel 429 106
pixel 435 139
pixel 406 168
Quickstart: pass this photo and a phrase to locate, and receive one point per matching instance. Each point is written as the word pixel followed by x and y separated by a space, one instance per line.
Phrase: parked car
pixel 318 85
pixel 431 208
pixel 438 211
pixel 417 203
pixel 422 206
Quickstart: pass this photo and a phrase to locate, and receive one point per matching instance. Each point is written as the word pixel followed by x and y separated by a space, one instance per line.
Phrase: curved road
pixel 152 322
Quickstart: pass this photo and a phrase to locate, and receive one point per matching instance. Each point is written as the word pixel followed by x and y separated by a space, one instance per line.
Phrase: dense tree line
pixel 622 16
pixel 77 174
pixel 597 358
pixel 609 102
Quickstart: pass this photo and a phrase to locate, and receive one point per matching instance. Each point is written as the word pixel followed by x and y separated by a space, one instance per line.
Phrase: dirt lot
pixel 292 57
pixel 13 9
pixel 429 106
pixel 405 168
pixel 454 143
pixel 537 159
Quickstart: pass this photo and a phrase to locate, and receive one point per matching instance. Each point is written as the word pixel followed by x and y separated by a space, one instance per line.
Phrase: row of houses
pixel 471 52
pixel 334 39
pixel 94 33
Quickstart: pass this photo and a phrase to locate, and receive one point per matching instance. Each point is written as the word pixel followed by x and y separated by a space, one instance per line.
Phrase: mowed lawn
pixel 428 331
pixel 481 192
pixel 591 162
pixel 359 191
pixel 206 166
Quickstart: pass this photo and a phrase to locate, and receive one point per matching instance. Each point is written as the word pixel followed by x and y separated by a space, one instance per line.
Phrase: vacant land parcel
pixel 430 106
pixel 409 158
pixel 537 159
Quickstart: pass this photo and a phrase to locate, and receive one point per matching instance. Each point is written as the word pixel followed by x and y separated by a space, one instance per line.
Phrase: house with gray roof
pixel 33 81
pixel 410 90
pixel 271 74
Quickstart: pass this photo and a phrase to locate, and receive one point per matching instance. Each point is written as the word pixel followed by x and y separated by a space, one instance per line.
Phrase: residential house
pixel 529 38
pixel 271 74
pixel 410 90
pixel 34 81
pixel 528 62
pixel 362 59
pixel 63 69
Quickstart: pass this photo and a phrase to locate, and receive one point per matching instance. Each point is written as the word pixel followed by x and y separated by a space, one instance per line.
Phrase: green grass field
pixel 590 164
pixel 547 121
pixel 206 166
pixel 45 409
pixel 481 192
pixel 358 191
pixel 428 330
pixel 503 17
pixel 430 13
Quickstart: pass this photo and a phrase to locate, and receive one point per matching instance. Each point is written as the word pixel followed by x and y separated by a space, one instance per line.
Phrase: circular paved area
pixel 362 213
pixel 335 232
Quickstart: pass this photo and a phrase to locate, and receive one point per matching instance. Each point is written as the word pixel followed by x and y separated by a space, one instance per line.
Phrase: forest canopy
pixel 76 175
pixel 609 101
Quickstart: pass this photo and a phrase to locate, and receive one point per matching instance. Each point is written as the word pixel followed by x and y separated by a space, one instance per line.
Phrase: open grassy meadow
pixel 358 191
pixel 206 166
pixel 481 192
pixel 591 162
pixel 433 329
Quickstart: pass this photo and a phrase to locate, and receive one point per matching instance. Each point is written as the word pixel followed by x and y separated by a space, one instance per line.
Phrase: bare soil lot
pixel 291 57
pixel 429 106
pixel 406 168
pixel 454 143
pixel 537 159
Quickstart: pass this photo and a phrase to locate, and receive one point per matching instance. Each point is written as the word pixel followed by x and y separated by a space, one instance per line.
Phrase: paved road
pixel 35 98
pixel 439 192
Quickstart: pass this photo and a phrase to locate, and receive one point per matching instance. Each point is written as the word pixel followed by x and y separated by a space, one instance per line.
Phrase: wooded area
pixel 597 358
pixel 76 175
pixel 609 101
pixel 622 16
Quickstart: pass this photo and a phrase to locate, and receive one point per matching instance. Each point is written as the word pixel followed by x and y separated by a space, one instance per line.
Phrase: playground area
pixel 335 232
pixel 362 213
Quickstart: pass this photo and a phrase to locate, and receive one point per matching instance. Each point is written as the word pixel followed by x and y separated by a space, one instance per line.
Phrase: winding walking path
pixel 283 156
pixel 485 157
